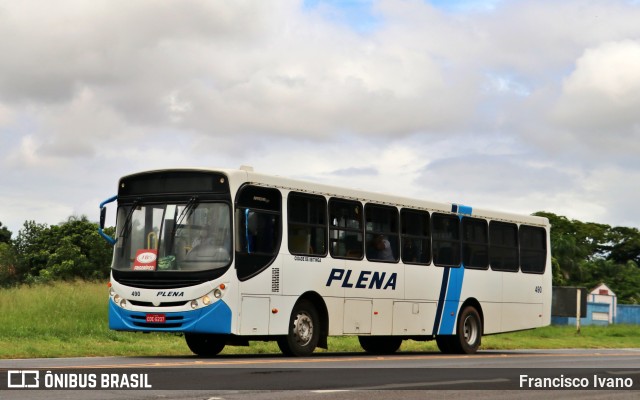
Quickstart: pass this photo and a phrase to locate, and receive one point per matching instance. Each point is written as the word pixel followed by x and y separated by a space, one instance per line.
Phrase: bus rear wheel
pixel 469 331
pixel 204 345
pixel 444 343
pixel 468 337
pixel 380 344
pixel 304 331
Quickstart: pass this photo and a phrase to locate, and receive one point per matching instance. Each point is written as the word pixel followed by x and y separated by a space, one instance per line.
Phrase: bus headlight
pixel 209 298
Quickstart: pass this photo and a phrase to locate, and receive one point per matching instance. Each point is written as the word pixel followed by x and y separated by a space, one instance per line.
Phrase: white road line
pixel 329 391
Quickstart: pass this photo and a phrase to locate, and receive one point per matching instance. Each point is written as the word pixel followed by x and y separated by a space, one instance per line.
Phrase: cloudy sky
pixel 516 105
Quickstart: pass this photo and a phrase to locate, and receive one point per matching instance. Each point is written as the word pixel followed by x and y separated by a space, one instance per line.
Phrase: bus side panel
pixel 547 289
pixel 335 308
pixel 325 276
pixel 365 279
pixel 382 318
pixel 257 297
pixel 422 282
pixel 486 287
pixel 413 318
pixel 357 316
pixel 522 301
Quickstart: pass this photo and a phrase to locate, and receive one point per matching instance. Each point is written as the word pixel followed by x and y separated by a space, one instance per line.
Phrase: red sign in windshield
pixel 145 260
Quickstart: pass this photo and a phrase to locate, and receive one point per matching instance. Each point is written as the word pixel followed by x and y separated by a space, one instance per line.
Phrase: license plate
pixel 156 318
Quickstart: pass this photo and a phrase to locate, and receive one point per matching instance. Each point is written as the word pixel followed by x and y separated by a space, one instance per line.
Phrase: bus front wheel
pixel 304 331
pixel 204 345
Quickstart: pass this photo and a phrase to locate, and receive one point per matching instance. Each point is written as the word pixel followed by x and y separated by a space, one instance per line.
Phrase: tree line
pixel 583 254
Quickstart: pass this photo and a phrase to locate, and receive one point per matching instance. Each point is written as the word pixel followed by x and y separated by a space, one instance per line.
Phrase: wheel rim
pixel 470 330
pixel 303 329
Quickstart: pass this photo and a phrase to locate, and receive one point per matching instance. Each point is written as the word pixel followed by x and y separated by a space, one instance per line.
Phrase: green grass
pixel 70 320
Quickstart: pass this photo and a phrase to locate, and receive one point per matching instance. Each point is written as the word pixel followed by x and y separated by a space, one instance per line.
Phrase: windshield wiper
pixel 124 232
pixel 186 212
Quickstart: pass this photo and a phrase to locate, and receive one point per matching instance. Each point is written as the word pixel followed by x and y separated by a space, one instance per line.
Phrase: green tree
pixel 574 242
pixel 587 254
pixel 32 249
pixel 624 245
pixel 8 263
pixel 5 234
pixel 73 249
pixel 622 278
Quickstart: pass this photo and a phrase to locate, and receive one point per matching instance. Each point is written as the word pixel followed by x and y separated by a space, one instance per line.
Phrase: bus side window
pixel 446 240
pixel 503 246
pixel 475 243
pixel 533 249
pixel 382 233
pixel 345 232
pixel 416 236
pixel 307 219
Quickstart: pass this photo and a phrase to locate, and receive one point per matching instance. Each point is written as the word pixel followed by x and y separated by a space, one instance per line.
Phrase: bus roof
pixel 247 175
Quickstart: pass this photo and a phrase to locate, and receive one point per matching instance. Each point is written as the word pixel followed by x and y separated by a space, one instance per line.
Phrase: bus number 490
pixel 538 289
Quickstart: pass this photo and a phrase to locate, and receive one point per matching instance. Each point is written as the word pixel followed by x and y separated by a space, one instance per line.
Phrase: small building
pixel 602 294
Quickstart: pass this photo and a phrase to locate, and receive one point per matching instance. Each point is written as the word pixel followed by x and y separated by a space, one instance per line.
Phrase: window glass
pixel 475 243
pixel 416 236
pixel 184 237
pixel 533 249
pixel 382 233
pixel 345 232
pixel 307 224
pixel 446 240
pixel 503 246
pixel 258 229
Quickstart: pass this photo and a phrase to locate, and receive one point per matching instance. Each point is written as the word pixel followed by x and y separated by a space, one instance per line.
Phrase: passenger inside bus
pixel 380 249
pixel 209 247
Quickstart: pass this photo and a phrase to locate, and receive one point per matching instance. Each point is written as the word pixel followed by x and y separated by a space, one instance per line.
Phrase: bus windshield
pixel 173 237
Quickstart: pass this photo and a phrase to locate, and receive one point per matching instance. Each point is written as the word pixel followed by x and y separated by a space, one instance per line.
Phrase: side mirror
pixel 103 216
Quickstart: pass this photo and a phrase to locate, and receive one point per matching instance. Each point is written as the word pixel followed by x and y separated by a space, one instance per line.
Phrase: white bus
pixel 230 256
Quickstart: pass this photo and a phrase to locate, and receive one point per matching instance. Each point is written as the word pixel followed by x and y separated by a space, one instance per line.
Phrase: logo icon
pixel 23 379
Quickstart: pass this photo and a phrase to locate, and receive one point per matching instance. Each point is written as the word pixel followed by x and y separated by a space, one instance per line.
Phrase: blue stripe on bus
pixel 443 292
pixel 460 209
pixel 466 210
pixel 447 311
pixel 452 300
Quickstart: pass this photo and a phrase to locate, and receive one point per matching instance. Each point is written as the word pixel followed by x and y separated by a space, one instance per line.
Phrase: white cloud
pixel 519 105
pixel 603 92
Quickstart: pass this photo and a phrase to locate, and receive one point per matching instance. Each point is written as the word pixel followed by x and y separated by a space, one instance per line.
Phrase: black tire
pixel 444 343
pixel 380 344
pixel 469 332
pixel 304 331
pixel 204 345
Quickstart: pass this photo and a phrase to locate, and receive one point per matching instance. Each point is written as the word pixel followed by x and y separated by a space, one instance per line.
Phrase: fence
pixel 598 314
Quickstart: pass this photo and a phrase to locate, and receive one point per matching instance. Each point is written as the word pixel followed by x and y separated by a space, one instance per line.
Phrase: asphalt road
pixel 486 375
